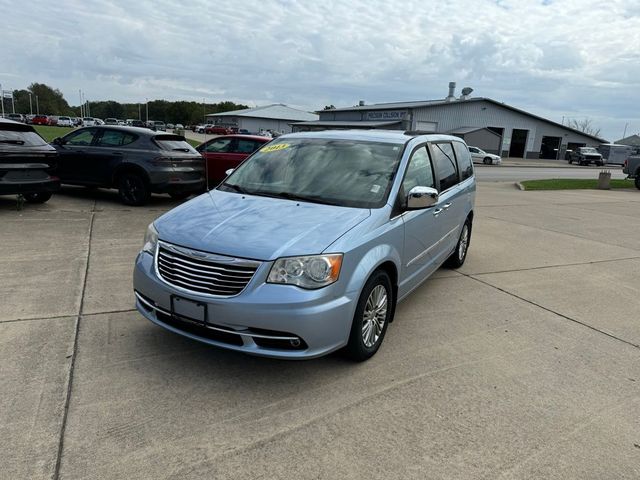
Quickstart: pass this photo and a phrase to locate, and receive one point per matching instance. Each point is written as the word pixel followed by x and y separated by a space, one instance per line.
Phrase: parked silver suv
pixel 309 244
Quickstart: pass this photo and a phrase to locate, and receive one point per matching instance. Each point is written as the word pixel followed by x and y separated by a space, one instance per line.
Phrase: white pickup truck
pixel 632 169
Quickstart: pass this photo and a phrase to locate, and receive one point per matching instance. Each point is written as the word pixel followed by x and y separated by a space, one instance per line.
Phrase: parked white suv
pixel 65 122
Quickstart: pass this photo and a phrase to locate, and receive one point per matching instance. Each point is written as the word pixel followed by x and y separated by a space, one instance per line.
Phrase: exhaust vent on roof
pixel 466 91
pixel 452 92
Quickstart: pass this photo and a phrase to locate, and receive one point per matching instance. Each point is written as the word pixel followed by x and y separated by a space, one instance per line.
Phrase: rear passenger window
pixel 445 163
pixel 112 138
pixel 465 166
pixel 246 146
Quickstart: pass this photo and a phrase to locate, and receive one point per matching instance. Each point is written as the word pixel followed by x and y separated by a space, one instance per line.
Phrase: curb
pixel 519 186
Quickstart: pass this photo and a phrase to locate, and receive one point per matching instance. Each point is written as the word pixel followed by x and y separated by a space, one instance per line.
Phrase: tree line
pixel 46 100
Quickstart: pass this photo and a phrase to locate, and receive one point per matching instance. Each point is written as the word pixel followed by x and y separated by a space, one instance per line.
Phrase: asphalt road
pixel 504 173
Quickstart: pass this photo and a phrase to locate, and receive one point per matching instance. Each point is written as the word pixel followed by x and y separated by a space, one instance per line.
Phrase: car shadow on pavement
pixel 82 198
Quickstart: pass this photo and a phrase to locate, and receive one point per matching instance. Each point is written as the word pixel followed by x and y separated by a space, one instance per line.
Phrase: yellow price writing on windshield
pixel 274 148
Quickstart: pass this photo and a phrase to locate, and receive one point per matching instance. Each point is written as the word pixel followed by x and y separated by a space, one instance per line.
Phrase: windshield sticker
pixel 275 148
pixel 375 188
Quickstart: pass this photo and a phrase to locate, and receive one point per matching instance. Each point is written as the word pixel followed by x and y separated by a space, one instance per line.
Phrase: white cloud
pixel 571 58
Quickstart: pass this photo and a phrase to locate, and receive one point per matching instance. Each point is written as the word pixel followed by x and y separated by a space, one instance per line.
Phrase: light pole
pixel 147 107
pixel 625 130
pixel 30 105
pixel 37 106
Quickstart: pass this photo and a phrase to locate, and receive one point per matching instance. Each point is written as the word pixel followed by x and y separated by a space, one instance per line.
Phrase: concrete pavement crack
pixel 561 315
pixel 74 353
pixel 58 317
pixel 559 265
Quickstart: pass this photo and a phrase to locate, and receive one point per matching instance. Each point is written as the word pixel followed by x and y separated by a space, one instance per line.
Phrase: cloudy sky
pixel 555 58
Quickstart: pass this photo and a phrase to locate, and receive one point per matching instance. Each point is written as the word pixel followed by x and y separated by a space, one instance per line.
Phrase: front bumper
pixel 278 321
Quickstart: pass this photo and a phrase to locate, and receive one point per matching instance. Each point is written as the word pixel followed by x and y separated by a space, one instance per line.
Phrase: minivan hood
pixel 260 228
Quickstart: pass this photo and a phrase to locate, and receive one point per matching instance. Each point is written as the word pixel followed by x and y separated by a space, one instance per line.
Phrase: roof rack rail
pixel 415 133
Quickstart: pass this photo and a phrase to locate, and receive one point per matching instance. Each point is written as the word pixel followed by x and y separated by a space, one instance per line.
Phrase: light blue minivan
pixel 309 244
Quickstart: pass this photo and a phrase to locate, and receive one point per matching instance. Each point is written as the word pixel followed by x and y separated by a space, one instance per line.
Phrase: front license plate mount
pixel 188 309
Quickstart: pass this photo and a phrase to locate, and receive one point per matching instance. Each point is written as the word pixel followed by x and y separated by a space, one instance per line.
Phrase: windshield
pixel 588 150
pixel 348 173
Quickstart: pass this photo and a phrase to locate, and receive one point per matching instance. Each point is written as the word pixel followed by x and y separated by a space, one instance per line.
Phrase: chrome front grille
pixel 202 272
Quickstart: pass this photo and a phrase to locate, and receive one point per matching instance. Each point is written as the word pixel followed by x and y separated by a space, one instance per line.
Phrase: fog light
pixel 295 342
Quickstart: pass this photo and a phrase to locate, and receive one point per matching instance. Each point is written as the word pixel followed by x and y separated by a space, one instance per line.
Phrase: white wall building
pixel 276 117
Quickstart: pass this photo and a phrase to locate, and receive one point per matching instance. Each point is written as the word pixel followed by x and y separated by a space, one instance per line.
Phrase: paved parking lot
pixel 523 364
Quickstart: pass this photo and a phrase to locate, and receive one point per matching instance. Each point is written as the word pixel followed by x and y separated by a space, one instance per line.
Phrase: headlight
pixel 150 240
pixel 307 272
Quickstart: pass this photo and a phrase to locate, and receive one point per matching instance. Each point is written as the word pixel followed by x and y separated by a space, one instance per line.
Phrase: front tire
pixel 37 197
pixel 487 161
pixel 133 189
pixel 637 181
pixel 373 314
pixel 457 258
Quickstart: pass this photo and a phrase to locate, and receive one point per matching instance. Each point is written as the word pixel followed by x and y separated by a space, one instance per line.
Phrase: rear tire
pixel 133 189
pixel 459 255
pixel 637 181
pixel 570 161
pixel 373 314
pixel 37 197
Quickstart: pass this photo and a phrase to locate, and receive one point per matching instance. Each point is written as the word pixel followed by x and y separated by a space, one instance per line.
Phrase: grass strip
pixel 573 184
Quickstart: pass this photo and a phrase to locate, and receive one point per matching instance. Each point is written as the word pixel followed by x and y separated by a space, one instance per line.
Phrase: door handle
pixel 439 210
pixel 117 154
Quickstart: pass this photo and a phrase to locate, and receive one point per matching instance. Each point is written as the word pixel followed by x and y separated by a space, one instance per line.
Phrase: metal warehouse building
pixel 276 117
pixel 491 125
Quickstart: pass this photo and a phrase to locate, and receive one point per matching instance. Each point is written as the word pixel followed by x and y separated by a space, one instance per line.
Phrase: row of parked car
pixel 136 161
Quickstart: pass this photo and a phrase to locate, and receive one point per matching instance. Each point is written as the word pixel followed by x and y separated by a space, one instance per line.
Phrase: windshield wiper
pixel 235 188
pixel 294 196
pixel 13 142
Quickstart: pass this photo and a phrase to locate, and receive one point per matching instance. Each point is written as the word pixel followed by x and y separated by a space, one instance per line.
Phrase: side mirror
pixel 421 197
pixel 59 141
pixel 229 172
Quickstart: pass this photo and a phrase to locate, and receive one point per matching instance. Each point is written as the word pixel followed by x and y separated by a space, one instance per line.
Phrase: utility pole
pixel 147 107
pixel 2 99
pixel 30 105
pixel 625 130
pixel 37 106
pixel 13 103
pixel 139 114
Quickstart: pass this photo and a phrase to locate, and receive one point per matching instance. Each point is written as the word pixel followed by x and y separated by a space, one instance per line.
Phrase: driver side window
pixel 81 138
pixel 419 171
pixel 219 146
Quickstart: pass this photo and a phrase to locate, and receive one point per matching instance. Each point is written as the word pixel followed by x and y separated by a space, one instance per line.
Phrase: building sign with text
pixel 386 115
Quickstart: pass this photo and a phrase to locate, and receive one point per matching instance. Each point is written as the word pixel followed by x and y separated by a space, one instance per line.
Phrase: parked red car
pixel 40 120
pixel 223 153
pixel 217 130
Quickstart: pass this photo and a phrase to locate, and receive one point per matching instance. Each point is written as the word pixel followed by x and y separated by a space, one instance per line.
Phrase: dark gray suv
pixel 26 163
pixel 136 161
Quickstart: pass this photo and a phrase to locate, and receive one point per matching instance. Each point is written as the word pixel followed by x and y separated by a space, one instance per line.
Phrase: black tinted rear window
pixel 174 142
pixel 19 136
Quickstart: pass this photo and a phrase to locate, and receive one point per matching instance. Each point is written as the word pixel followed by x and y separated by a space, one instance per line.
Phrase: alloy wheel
pixel 374 316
